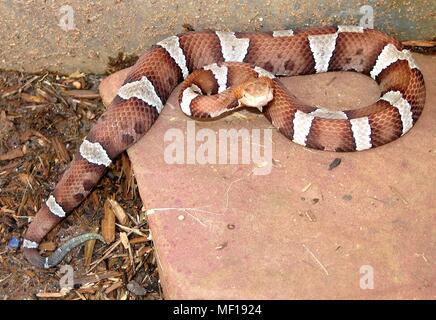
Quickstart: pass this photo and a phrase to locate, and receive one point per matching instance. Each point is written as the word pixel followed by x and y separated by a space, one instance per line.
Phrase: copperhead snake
pixel 222 71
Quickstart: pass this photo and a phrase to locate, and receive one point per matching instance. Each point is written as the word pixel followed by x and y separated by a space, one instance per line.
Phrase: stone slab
pixel 302 231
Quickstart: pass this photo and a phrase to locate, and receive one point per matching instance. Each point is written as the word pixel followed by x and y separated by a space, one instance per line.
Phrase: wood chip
pixel 126 244
pixel 132 230
pixel 61 152
pixel 124 240
pixel 83 94
pixel 26 135
pixel 8 91
pixel 26 179
pixel 48 97
pixel 139 240
pixel 47 246
pixel 419 43
pixel 97 277
pixel 119 212
pixel 51 294
pixel 113 287
pixel 32 99
pixel 89 250
pixel 143 251
pixel 23 202
pixel 87 290
pixel 108 223
pixel 12 154
pixel 9 168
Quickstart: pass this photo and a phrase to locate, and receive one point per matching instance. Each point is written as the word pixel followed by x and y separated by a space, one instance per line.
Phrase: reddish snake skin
pixel 240 69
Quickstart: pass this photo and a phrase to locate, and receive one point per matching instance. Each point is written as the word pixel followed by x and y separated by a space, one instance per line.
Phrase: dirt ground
pixel 62 36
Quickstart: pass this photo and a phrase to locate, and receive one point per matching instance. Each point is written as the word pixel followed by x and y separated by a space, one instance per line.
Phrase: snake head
pixel 257 93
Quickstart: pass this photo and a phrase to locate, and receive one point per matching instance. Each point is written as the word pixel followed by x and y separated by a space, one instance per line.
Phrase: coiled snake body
pixel 223 71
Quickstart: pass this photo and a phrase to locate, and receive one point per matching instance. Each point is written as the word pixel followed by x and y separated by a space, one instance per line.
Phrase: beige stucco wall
pixel 38 35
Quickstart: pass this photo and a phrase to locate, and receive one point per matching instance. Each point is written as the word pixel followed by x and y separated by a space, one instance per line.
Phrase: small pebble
pixel 13 243
pixel 181 217
pixel 135 288
pixel 221 246
pixel 90 115
pixel 336 162
pixel 77 84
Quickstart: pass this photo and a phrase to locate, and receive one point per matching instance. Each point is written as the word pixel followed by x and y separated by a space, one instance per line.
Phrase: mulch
pixel 43 119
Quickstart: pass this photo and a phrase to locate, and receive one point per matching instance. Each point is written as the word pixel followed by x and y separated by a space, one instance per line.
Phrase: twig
pixel 196 219
pixel 316 259
pixel 398 193
pixel 199 209
pixel 5 278
pixel 228 191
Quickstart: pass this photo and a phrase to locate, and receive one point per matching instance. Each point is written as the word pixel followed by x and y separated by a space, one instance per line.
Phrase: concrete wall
pixel 47 35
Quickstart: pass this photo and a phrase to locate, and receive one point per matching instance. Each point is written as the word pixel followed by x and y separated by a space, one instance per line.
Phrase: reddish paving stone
pixel 264 237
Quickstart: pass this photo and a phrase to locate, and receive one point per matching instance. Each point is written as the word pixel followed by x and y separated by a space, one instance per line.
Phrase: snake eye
pixel 196 89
